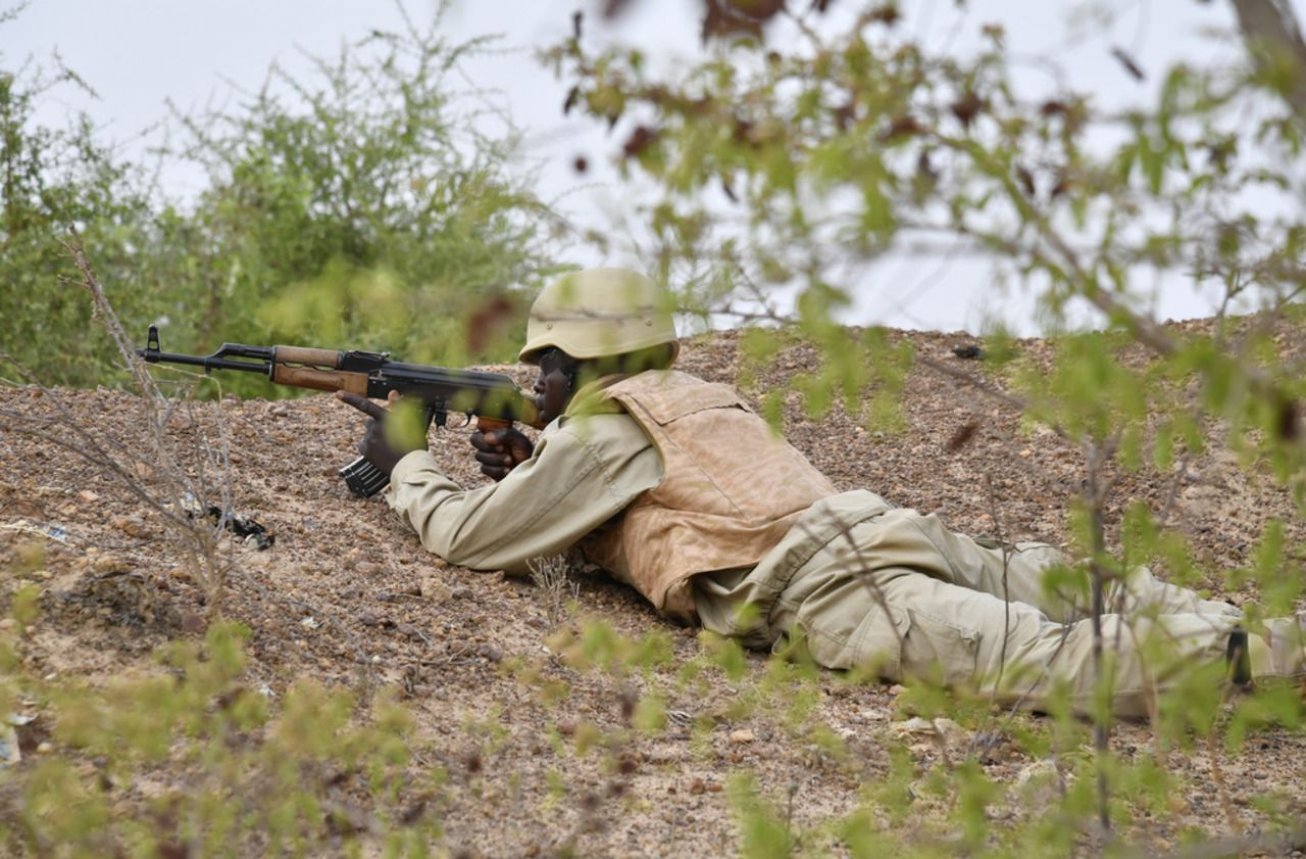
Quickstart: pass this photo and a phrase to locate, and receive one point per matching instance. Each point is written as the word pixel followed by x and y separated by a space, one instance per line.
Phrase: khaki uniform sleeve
pixel 581 475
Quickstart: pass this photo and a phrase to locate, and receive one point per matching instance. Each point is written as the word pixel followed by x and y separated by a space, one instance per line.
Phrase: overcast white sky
pixel 139 53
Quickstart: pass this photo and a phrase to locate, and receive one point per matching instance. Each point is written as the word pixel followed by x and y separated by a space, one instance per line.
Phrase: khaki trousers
pixel 901 593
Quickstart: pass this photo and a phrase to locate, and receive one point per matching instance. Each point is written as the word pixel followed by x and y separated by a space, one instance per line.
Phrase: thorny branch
pixel 200 542
pixel 1095 494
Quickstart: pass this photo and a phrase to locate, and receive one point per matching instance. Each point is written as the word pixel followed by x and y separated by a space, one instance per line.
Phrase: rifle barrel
pixel 219 360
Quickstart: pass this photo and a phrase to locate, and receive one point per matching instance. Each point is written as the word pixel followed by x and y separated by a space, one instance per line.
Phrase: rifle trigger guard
pixel 467 421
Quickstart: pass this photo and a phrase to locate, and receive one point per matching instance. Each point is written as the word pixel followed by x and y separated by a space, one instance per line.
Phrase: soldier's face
pixel 553 385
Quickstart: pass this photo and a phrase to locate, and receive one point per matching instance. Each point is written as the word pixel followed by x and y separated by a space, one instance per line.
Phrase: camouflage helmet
pixel 599 312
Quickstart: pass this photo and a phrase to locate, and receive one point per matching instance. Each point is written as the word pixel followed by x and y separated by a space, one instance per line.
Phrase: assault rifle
pixel 492 398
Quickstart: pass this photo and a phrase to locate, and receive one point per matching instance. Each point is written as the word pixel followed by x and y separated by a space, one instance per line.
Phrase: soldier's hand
pixel 500 451
pixel 385 440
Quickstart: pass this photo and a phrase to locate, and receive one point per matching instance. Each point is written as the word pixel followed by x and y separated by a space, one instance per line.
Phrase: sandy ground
pixel 345 595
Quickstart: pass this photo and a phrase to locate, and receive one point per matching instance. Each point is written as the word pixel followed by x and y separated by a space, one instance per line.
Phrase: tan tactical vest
pixel 730 490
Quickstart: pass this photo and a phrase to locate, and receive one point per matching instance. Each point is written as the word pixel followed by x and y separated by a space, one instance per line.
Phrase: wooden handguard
pixel 326 358
pixel 306 367
pixel 485 424
pixel 322 380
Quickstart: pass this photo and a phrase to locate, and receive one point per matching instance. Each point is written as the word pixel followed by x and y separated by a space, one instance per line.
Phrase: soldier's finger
pixel 480 442
pixel 363 404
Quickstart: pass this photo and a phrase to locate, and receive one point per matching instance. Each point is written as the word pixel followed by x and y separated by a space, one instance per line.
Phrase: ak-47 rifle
pixel 492 398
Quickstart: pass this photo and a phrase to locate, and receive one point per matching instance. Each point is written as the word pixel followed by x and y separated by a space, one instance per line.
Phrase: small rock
pixel 940 732
pixel 951 731
pixel 192 622
pixel 743 735
pixel 10 753
pixel 132 526
pixel 968 352
pixel 914 725
pixel 1039 783
pixel 107 563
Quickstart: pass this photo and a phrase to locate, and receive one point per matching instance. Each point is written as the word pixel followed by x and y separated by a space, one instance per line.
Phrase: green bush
pixel 56 181
pixel 362 207
pixel 237 773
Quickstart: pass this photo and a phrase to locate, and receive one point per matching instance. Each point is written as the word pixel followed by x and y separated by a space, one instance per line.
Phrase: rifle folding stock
pixel 492 398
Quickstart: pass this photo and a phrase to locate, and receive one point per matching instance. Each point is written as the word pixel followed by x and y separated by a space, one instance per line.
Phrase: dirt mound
pixel 346 595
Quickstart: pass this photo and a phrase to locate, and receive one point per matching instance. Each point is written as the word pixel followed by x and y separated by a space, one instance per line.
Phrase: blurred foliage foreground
pixel 192 759
pixel 338 214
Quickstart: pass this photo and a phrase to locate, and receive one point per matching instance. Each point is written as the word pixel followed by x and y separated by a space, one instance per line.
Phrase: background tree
pixel 367 204
pixel 53 179
pixel 786 161
pixel 347 208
